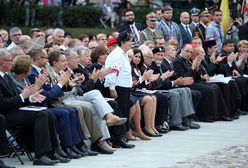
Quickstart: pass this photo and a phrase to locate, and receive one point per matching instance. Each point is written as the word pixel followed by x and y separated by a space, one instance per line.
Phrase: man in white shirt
pixel 185 29
pixel 14 33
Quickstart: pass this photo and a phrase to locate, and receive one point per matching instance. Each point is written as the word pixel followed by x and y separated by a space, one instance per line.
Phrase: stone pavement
pixel 215 145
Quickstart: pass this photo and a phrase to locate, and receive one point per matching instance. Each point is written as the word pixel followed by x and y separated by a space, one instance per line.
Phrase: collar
pixel 2 74
pixel 168 60
pixel 184 25
pixel 205 26
pixel 81 65
pixel 38 69
pixel 215 24
pixel 152 30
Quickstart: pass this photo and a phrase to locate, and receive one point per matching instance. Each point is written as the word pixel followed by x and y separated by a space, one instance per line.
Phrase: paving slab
pixel 166 151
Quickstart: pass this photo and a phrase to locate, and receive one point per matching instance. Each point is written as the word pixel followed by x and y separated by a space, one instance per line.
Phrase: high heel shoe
pixel 140 136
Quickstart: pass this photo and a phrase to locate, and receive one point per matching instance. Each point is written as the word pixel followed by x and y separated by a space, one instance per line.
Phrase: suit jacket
pixel 167 83
pixel 200 31
pixel 99 85
pixel 165 66
pixel 185 36
pixel 125 27
pixel 88 84
pixel 10 100
pixel 243 32
pixel 182 68
pixel 50 91
pixel 147 34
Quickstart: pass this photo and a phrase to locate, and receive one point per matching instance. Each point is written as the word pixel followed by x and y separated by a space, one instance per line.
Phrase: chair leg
pixel 15 152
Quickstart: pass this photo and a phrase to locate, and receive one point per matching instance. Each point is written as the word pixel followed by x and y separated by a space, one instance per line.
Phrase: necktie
pixel 219 30
pixel 6 79
pixel 187 30
pixel 171 65
pixel 135 36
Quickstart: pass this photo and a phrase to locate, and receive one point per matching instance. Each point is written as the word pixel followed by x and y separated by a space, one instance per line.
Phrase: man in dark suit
pixel 216 108
pixel 11 101
pixel 131 26
pixel 166 65
pixel 243 32
pixel 201 28
pixel 185 28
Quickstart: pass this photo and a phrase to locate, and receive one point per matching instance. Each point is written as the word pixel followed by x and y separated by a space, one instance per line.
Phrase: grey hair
pixel 146 51
pixel 68 52
pixel 82 51
pixel 57 30
pixel 3 52
pixel 14 30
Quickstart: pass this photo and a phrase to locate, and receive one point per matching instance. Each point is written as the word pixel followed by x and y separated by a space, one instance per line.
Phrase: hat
pixel 204 12
pixel 209 43
pixel 36 43
pixel 158 49
pixel 151 18
pixel 111 41
pixel 194 12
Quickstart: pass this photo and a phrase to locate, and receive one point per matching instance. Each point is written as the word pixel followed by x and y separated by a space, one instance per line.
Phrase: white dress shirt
pixel 119 60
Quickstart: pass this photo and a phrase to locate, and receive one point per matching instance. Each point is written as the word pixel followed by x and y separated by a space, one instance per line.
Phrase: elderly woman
pixel 120 81
pixel 241 61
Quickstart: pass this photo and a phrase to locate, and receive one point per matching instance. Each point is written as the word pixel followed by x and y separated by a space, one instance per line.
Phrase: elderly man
pixel 150 33
pixel 14 33
pixel 58 37
pixel 184 67
pixel 11 101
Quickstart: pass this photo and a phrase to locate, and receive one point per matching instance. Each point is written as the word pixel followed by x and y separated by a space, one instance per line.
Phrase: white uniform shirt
pixel 119 60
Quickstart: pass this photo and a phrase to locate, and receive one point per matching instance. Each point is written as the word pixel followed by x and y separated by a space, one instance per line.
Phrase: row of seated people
pixel 73 90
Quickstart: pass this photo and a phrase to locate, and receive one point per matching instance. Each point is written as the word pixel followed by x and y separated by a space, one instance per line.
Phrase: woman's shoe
pixel 141 136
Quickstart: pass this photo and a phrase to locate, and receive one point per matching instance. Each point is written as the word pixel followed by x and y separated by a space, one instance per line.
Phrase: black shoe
pixel 2 165
pixel 191 125
pixel 44 160
pixel 123 144
pixel 71 154
pixel 179 128
pixel 88 151
pixel 244 112
pixel 226 118
pixel 151 135
pixel 61 153
pixel 161 130
pixel 101 149
pixel 75 150
pixel 61 159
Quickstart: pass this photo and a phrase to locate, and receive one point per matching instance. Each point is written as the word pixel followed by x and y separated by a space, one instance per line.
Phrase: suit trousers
pixel 174 108
pixel 39 121
pixel 123 100
pixel 93 125
pixel 3 140
pixel 116 131
pixel 186 103
pixel 68 125
pixel 162 113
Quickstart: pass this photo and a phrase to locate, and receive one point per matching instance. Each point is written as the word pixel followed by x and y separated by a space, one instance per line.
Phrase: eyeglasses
pixel 150 57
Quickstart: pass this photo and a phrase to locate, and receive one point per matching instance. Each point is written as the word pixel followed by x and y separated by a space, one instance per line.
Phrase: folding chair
pixel 17 147
pixel 104 23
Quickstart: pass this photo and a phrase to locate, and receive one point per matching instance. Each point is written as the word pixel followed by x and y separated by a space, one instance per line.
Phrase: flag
pixel 224 7
pixel 244 7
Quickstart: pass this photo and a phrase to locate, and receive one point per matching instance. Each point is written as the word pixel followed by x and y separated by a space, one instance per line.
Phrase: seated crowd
pixel 100 92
